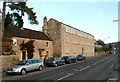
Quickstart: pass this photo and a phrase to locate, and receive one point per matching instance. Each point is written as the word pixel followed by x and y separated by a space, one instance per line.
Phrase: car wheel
pixel 40 68
pixel 23 71
pixel 75 61
pixel 84 58
pixel 56 65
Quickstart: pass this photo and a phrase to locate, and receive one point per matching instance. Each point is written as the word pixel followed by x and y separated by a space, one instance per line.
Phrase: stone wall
pixel 7 61
pixel 68 43
pixel 54 32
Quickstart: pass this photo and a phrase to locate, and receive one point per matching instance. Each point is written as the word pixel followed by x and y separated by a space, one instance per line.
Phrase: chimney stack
pixel 44 29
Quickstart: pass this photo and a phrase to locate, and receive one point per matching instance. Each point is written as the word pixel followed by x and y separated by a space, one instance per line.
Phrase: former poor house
pixel 68 40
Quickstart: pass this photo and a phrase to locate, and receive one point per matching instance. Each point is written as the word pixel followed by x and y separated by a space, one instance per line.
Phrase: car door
pixel 29 65
pixel 35 64
pixel 59 59
pixel 62 60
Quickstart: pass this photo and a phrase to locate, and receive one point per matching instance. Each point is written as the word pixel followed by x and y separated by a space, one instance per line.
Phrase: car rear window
pixel 50 59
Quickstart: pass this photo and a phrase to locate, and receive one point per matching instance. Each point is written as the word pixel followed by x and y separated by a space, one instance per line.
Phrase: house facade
pixel 42 43
pixel 68 40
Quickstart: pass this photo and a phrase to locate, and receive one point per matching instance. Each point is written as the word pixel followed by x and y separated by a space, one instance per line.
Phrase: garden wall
pixel 7 61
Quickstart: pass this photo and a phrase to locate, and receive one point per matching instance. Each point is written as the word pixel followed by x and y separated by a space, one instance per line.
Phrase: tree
pixel 29 46
pixel 18 11
pixel 100 42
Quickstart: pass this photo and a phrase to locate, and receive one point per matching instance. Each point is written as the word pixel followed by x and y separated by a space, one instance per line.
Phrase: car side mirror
pixel 27 64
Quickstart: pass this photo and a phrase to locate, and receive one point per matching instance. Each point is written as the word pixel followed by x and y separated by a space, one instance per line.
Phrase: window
pixel 67 51
pixel 66 39
pixel 14 42
pixel 30 62
pixel 47 44
pixel 73 31
pixel 35 61
pixel 67 29
pixel 47 52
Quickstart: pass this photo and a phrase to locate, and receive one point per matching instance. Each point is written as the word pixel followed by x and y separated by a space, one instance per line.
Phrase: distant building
pixel 68 40
pixel 115 45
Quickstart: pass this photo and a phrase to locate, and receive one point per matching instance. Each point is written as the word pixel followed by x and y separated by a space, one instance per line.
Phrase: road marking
pixel 101 60
pixel 95 63
pixel 69 74
pixel 88 66
pixel 75 69
pixel 84 68
pixel 52 76
pixel 106 58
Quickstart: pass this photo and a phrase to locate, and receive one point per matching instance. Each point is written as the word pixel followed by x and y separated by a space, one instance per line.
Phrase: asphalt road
pixel 99 68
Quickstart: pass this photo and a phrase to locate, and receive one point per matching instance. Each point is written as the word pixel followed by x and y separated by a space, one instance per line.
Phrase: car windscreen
pixel 50 59
pixel 21 62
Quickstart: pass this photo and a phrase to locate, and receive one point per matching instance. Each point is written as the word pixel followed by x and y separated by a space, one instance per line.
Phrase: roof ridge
pixel 70 26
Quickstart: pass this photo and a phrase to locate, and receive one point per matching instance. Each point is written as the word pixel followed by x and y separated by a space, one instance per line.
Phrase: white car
pixel 26 65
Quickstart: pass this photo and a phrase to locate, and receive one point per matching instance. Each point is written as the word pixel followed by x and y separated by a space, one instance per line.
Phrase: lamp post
pixel 118 21
pixel 106 39
pixel 115 20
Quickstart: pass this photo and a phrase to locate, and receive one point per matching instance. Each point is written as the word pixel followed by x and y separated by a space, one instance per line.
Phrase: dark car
pixel 55 61
pixel 69 59
pixel 81 57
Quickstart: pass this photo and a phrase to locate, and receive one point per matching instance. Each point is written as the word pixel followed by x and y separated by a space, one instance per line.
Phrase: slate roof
pixel 27 33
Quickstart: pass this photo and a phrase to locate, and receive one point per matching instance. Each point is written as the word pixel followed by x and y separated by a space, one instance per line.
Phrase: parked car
pixel 69 59
pixel 81 57
pixel 55 61
pixel 26 65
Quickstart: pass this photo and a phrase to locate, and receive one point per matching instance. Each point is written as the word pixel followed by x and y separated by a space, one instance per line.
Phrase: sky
pixel 94 17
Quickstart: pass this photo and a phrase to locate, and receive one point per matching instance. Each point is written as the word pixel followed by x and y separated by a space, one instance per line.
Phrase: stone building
pixel 42 43
pixel 68 40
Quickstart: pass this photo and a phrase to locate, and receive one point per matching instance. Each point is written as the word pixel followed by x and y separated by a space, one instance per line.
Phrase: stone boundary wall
pixel 7 61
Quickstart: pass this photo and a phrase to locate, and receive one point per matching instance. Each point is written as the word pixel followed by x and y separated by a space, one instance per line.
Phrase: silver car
pixel 26 65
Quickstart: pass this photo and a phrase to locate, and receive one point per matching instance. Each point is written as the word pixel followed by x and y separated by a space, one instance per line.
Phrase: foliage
pixel 19 9
pixel 29 47
pixel 103 49
pixel 110 47
pixel 8 20
pixel 7 37
pixel 100 42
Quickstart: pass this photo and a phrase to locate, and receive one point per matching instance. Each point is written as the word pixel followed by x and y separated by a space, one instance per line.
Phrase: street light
pixel 115 20
pixel 106 39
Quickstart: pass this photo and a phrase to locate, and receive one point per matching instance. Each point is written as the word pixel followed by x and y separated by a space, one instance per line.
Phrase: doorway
pixel 24 55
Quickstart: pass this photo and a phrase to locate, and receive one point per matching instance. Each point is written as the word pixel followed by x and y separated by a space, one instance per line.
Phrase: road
pixel 98 68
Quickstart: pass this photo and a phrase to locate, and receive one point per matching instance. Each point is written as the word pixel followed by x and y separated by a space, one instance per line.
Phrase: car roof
pixel 30 59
